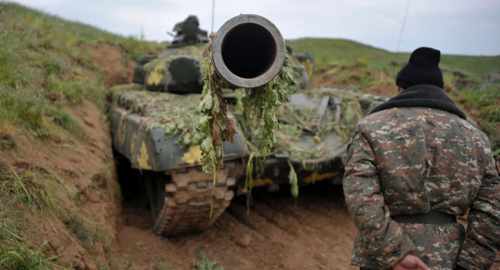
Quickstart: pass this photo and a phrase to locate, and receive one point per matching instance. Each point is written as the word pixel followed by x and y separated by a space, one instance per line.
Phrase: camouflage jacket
pixel 405 161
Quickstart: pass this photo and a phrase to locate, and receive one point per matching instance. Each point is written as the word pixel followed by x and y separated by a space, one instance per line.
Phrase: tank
pixel 153 121
pixel 153 124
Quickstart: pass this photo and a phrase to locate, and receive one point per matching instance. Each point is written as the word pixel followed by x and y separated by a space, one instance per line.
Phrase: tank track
pixel 193 201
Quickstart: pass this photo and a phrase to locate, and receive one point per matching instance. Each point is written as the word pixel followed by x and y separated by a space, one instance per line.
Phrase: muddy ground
pixel 313 232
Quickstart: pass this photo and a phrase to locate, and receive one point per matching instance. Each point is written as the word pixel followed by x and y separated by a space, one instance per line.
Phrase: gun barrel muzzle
pixel 248 51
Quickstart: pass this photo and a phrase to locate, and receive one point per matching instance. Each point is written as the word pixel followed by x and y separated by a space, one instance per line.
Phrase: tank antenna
pixel 213 16
pixel 403 25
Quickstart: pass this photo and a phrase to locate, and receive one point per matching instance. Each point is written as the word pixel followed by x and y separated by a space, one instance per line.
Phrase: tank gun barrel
pixel 248 51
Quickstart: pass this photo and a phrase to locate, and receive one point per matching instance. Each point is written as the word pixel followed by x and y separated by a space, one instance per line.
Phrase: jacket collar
pixel 423 95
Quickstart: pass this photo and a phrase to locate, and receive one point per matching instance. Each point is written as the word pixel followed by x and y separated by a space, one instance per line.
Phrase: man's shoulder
pixel 381 119
pixel 401 118
pixel 383 115
pixel 406 114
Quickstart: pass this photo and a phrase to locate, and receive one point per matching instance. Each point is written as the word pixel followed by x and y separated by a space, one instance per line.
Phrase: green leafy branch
pixel 214 123
pixel 257 108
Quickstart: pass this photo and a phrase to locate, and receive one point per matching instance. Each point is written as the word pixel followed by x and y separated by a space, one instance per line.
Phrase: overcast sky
pixel 453 26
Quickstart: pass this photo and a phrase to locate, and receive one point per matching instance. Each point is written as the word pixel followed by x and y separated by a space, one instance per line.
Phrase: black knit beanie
pixel 422 68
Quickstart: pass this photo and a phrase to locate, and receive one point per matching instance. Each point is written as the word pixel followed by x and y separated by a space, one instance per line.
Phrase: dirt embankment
pixel 110 59
pixel 79 179
pixel 73 173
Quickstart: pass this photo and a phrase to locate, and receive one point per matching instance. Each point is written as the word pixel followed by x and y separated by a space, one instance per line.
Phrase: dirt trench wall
pixel 64 199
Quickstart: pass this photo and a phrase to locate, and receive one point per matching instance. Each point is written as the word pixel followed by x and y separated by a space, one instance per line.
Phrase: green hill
pixel 340 51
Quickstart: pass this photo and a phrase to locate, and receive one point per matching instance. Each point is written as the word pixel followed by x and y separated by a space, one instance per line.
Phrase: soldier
pixel 188 32
pixel 414 165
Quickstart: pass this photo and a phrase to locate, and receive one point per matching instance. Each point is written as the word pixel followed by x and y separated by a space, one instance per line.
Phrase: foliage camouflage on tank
pixel 158 137
pixel 315 128
pixel 303 66
pixel 316 124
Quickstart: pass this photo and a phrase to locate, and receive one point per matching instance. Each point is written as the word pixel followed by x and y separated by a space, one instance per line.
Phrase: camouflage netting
pixel 316 125
pixel 181 119
pixel 300 73
pixel 257 109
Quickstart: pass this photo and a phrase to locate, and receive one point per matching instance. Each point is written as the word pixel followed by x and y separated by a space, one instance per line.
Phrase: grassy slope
pixel 46 70
pixel 43 58
pixel 343 62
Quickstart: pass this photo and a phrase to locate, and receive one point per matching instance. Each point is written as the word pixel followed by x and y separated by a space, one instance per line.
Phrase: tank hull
pixel 150 130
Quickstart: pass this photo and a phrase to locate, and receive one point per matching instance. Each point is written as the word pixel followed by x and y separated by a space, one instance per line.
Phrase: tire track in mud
pixel 313 232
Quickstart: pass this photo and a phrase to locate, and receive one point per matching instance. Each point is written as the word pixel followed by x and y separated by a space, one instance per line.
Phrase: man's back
pixel 415 161
pixel 427 159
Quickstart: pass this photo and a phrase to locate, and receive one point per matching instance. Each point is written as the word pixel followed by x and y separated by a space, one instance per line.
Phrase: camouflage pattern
pixel 307 60
pixel 317 124
pixel 300 71
pixel 155 136
pixel 315 127
pixel 179 70
pixel 160 75
pixel 303 67
pixel 405 161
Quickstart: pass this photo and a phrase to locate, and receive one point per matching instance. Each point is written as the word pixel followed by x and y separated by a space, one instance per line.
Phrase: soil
pixel 114 64
pixel 313 232
pixel 81 175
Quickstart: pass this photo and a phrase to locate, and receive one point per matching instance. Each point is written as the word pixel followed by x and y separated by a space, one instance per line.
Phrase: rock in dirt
pixel 244 240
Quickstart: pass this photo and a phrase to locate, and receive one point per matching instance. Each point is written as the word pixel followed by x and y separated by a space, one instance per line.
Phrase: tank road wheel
pixel 191 201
